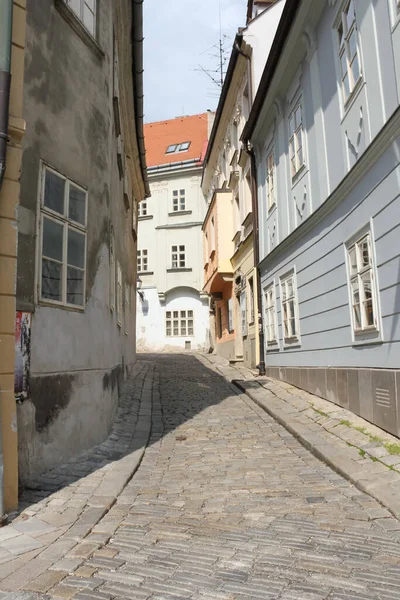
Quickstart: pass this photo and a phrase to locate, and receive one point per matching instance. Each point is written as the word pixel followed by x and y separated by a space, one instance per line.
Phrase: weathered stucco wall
pixel 78 359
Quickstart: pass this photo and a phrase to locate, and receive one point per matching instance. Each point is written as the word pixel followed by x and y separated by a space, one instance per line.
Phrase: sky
pixel 178 38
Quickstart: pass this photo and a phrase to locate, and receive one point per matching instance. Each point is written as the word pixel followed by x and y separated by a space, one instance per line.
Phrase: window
pixel 112 270
pixel 230 315
pixel 212 233
pixel 127 307
pixel 142 210
pixel 219 323
pixel 178 200
pixel 243 312
pixel 85 10
pixel 119 295
pixel 270 180
pixel 362 285
pixel 348 53
pixel 270 315
pixel 63 240
pixel 178 257
pixel 289 308
pixel 296 139
pixel 142 261
pixel 174 148
pixel 251 299
pixel 179 323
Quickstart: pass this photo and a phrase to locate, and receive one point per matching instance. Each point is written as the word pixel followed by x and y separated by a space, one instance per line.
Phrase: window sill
pixel 145 272
pixel 78 27
pixel 176 213
pixel 70 308
pixel 145 218
pixel 180 270
pixel 291 342
pixel 352 98
pixel 299 175
pixel 367 336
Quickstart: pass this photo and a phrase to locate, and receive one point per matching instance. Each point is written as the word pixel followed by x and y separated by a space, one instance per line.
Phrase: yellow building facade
pixel 9 199
pixel 230 274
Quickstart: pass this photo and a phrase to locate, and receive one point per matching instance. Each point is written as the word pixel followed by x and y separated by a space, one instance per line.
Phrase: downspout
pixel 138 93
pixel 254 197
pixel 6 12
pixel 256 234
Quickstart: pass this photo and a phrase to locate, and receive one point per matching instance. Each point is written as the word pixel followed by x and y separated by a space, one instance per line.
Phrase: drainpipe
pixel 254 196
pixel 256 246
pixel 6 11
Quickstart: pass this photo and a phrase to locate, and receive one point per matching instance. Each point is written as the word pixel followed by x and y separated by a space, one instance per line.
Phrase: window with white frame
pixel 178 257
pixel 127 307
pixel 85 10
pixel 178 200
pixel 290 318
pixel 296 139
pixel 271 333
pixel 363 294
pixel 230 315
pixel 270 180
pixel 251 299
pixel 112 270
pixel 142 209
pixel 120 298
pixel 179 323
pixel 142 261
pixel 63 240
pixel 212 233
pixel 348 50
pixel 243 312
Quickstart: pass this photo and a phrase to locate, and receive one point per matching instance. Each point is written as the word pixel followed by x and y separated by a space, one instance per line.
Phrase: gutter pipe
pixel 6 14
pixel 6 11
pixel 256 234
pixel 137 48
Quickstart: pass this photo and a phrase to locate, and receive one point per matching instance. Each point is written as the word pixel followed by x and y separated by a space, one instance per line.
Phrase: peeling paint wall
pixel 79 359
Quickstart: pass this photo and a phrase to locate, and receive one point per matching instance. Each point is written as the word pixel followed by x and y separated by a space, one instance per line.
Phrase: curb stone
pixel 313 420
pixel 75 533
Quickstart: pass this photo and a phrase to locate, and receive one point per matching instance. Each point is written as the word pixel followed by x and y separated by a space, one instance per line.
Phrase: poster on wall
pixel 22 353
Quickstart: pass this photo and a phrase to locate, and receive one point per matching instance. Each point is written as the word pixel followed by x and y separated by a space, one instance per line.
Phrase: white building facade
pixel 173 312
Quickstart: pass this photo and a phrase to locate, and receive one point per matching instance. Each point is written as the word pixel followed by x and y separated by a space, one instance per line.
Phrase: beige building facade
pixel 230 277
pixel 9 199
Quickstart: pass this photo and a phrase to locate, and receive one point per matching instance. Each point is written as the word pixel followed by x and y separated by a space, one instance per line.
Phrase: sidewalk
pixel 61 509
pixel 364 454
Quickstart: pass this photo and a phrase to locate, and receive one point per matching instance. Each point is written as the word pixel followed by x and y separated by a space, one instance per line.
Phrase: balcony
pixel 217 239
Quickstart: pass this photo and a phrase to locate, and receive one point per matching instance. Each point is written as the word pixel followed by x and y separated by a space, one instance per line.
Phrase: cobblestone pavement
pixel 227 505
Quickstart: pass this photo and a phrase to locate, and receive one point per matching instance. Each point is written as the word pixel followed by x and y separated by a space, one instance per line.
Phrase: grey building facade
pixel 82 176
pixel 325 128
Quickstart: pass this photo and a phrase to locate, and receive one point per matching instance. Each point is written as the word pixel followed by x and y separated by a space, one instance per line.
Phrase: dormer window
pixel 176 148
pixel 172 148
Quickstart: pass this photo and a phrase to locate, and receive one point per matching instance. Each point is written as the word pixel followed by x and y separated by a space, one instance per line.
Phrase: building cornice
pixel 388 134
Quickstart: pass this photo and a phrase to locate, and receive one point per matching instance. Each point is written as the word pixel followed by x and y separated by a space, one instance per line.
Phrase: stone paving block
pixel 45 581
pixel 20 545
pixel 63 591
pixel 68 565
pixel 33 527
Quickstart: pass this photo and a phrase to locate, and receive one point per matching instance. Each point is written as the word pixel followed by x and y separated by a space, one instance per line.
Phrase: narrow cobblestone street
pixel 227 505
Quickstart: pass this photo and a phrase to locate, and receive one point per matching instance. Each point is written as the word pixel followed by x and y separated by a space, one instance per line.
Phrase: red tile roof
pixel 160 135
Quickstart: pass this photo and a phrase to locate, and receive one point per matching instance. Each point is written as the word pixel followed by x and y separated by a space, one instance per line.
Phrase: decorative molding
pixel 355 148
pixel 310 42
pixel 300 209
pixel 370 157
